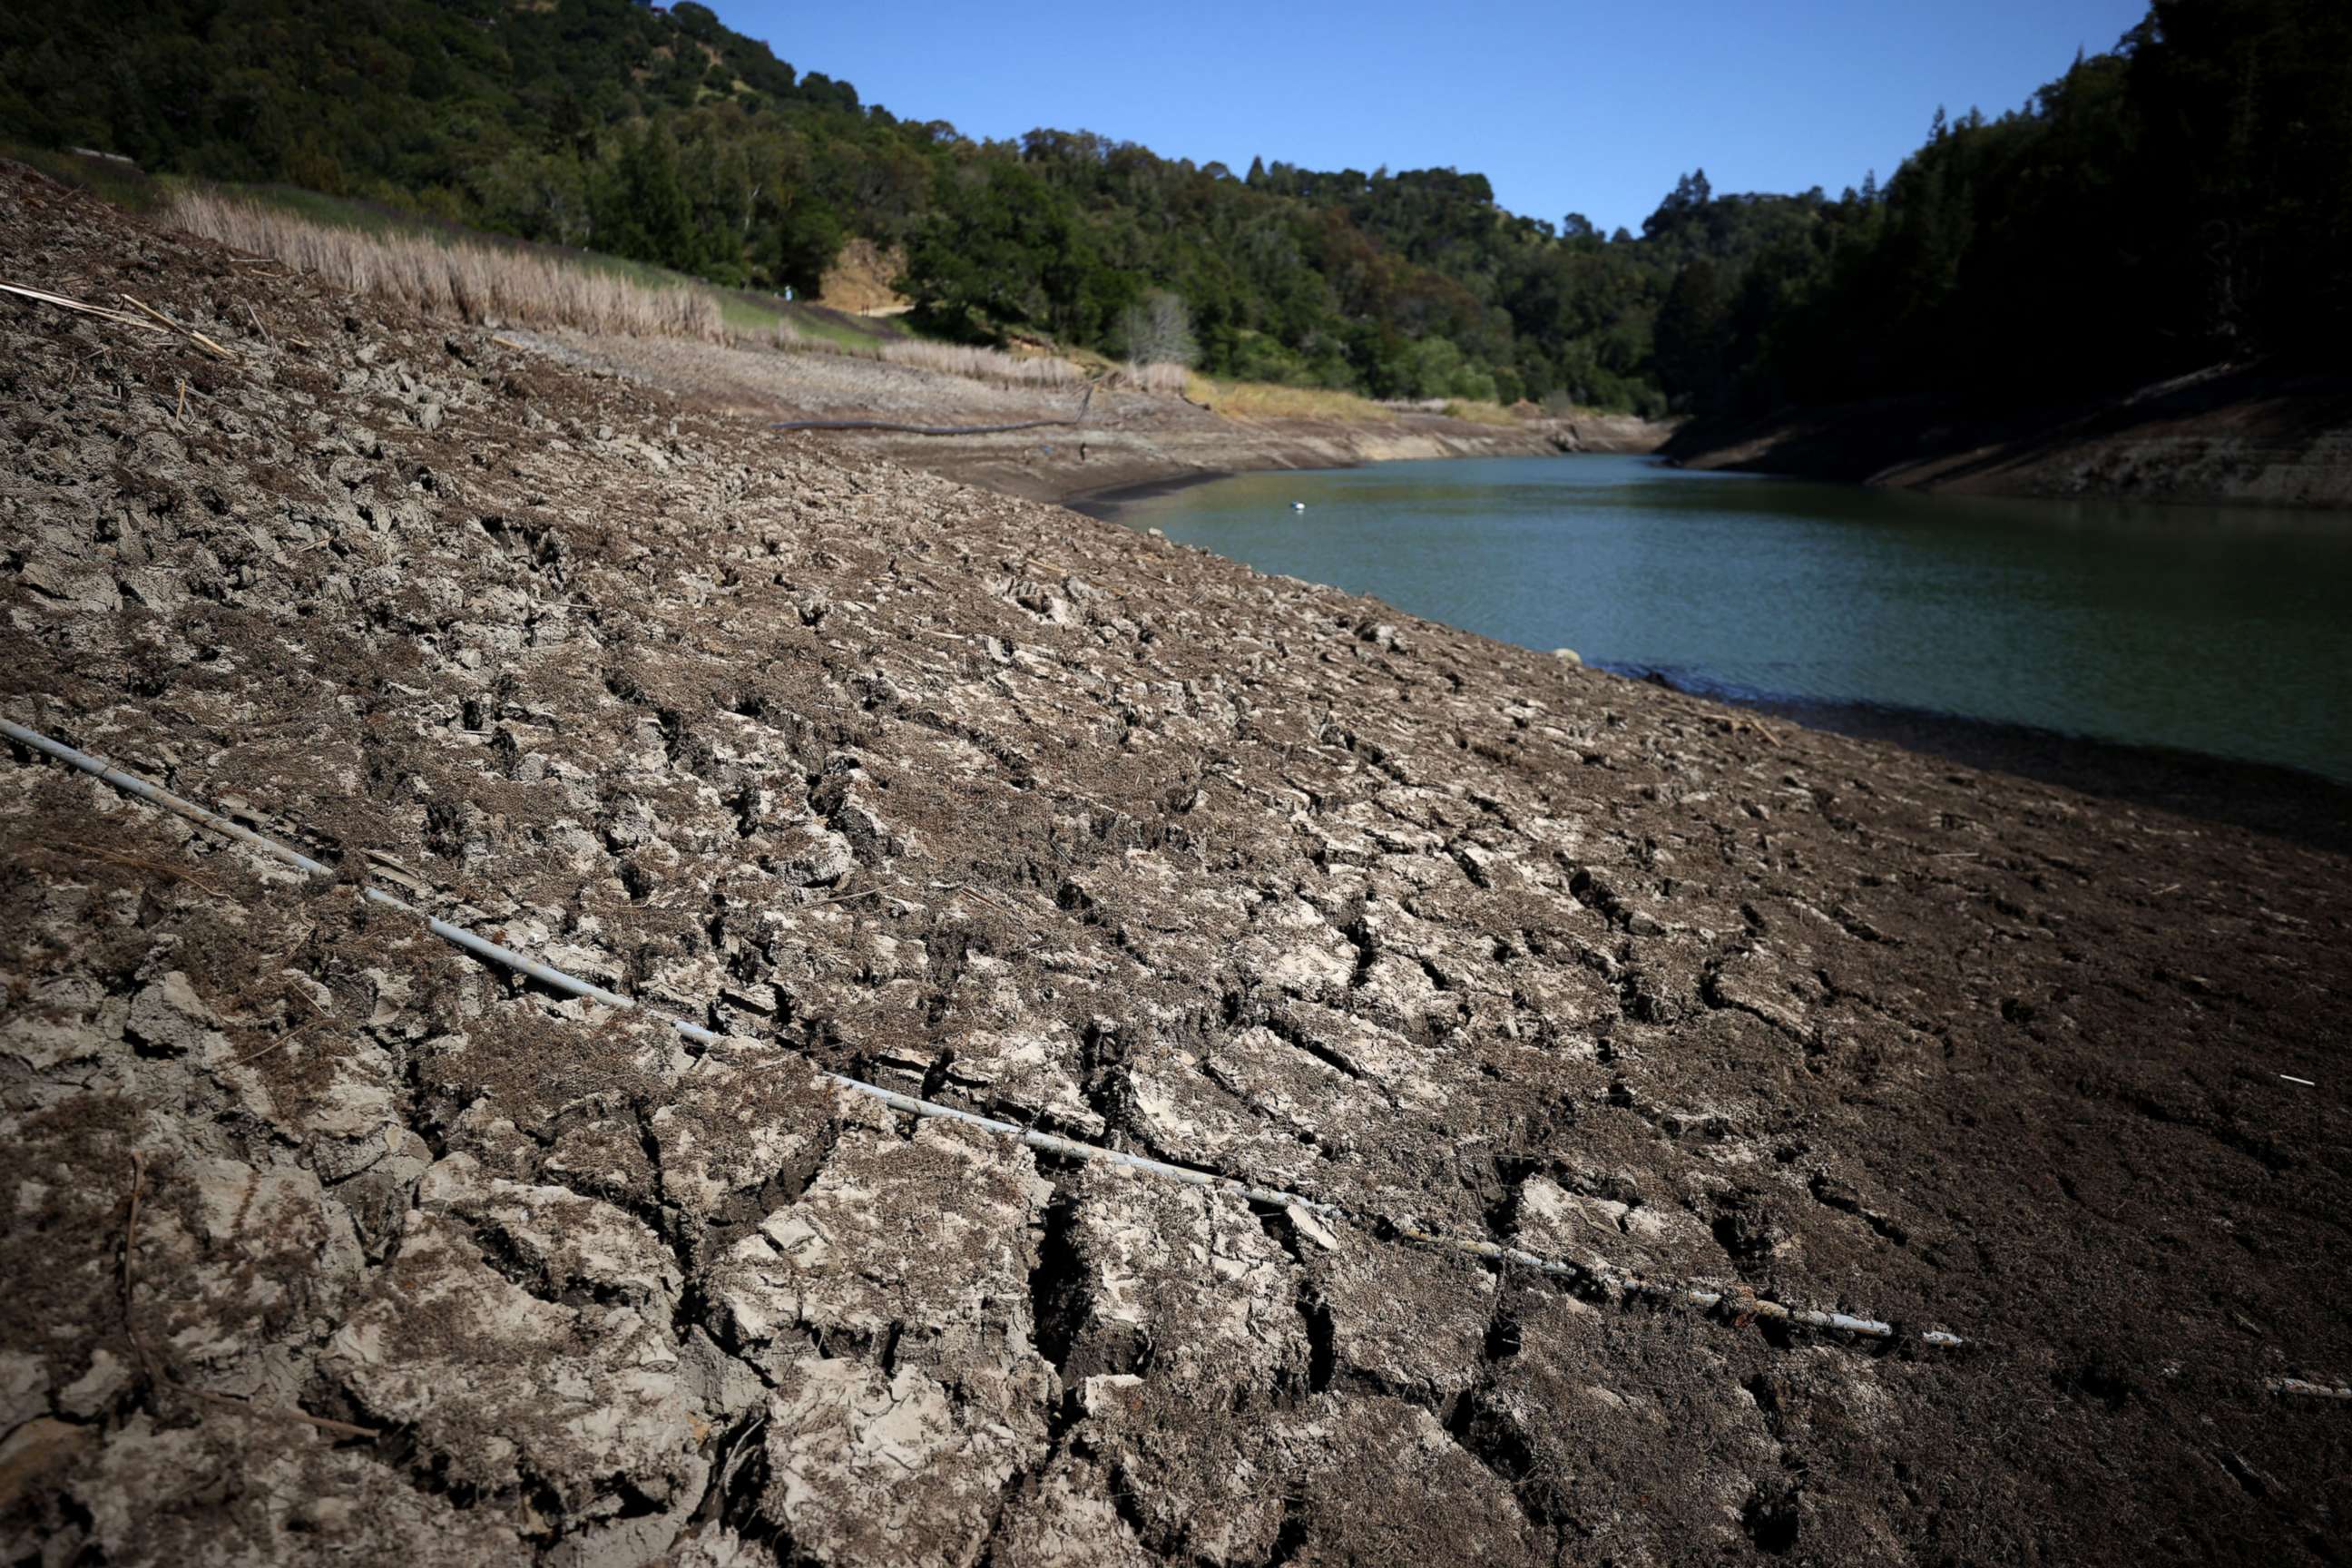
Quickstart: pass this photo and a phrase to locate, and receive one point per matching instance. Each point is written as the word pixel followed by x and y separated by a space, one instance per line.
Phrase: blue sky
pixel 1580 107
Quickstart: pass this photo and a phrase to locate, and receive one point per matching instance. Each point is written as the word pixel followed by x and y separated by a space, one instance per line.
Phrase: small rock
pixel 96 1389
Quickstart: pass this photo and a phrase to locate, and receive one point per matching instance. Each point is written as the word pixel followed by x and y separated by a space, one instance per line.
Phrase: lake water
pixel 2224 630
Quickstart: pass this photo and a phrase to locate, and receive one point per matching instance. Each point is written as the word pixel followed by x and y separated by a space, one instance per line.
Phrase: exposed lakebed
pixel 2216 630
pixel 371 1253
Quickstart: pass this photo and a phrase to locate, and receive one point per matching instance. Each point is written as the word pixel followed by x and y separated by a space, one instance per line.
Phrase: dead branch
pixel 63 303
pixel 190 333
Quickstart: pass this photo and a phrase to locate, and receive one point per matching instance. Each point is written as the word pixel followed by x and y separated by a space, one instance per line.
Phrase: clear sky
pixel 1567 107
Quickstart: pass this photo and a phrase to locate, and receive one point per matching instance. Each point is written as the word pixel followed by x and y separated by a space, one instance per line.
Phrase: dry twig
pixel 312 1022
pixel 190 333
pixel 842 898
pixel 136 863
pixel 81 307
pixel 272 1412
pixel 966 887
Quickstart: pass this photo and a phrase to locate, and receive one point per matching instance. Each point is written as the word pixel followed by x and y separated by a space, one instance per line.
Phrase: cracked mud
pixel 326 1242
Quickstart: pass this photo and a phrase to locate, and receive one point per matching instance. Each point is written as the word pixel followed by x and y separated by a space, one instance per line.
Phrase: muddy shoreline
pixel 1157 449
pixel 1128 438
pixel 1103 504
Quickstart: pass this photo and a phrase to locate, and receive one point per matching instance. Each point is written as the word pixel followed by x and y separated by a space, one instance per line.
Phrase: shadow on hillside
pixel 1853 442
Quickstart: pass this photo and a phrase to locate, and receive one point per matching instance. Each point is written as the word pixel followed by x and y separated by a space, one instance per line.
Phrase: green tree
pixel 1690 336
pixel 645 215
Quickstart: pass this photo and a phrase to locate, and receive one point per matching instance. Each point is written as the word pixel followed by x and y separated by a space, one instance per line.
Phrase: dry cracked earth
pixel 325 1242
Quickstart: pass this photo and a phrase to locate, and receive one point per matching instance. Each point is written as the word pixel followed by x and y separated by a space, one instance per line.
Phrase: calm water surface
pixel 2218 629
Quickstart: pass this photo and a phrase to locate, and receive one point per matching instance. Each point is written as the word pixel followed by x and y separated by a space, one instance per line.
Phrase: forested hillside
pixel 2182 202
pixel 2185 199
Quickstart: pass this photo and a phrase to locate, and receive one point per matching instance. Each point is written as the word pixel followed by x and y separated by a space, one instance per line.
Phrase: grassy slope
pixel 743 311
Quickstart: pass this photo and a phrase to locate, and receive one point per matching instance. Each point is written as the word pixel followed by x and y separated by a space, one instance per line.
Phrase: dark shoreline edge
pixel 1105 502
pixel 2285 802
pixel 1103 505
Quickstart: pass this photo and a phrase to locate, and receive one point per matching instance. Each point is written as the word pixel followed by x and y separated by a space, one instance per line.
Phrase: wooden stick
pixel 195 336
pixel 65 304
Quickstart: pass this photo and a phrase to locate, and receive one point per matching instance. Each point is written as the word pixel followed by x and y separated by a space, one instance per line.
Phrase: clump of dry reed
pixel 1164 378
pixel 473 282
pixel 945 359
pixel 984 364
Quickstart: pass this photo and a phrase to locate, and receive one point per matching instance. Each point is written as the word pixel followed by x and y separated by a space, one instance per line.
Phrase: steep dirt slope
pixel 325 1242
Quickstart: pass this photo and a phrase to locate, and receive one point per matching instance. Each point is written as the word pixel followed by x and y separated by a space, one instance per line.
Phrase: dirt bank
pixel 327 1242
pixel 1126 438
pixel 2232 435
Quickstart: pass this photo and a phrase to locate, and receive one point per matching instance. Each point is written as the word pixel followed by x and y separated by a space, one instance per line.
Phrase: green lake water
pixel 2224 630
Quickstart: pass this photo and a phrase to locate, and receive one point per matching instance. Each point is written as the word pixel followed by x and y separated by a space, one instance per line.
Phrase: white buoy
pixel 1298 506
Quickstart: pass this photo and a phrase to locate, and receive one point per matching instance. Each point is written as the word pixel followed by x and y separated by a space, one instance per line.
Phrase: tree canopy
pixel 2180 200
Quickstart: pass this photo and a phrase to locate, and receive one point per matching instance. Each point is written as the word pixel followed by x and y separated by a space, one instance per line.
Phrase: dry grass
pixel 1165 378
pixel 472 282
pixel 984 364
pixel 945 359
pixel 1479 413
pixel 1267 400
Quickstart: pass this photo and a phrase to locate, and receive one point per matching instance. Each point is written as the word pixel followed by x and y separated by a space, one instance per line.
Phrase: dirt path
pixel 327 1242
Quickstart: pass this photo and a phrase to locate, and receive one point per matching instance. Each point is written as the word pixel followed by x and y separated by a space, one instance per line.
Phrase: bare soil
pixel 859 281
pixel 1120 438
pixel 327 1242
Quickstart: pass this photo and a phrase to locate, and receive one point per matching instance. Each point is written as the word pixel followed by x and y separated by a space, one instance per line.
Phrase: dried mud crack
pixel 973 797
